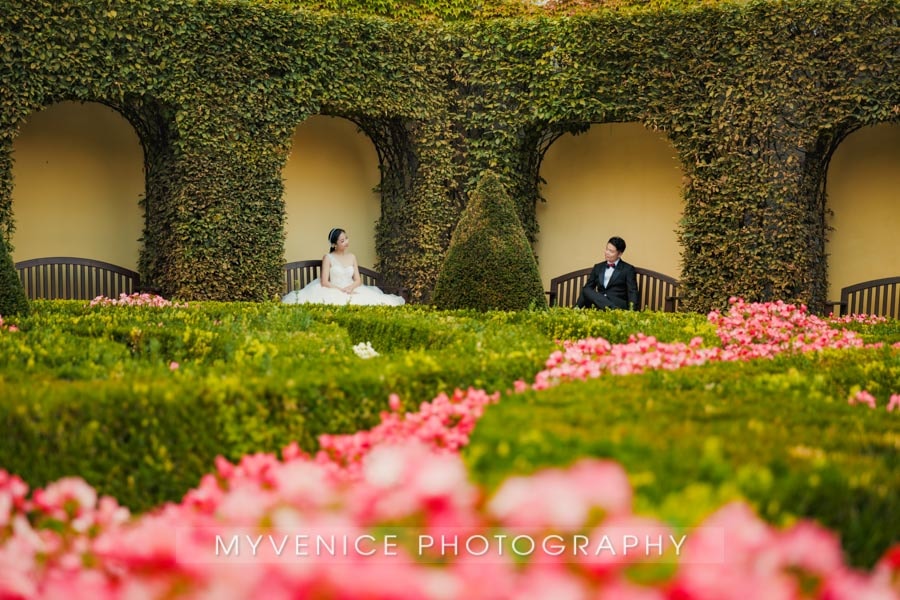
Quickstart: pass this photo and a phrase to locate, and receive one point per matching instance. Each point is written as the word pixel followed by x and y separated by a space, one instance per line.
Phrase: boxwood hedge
pixel 95 392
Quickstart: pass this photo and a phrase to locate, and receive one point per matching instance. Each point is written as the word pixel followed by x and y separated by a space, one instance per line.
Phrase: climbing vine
pixel 754 97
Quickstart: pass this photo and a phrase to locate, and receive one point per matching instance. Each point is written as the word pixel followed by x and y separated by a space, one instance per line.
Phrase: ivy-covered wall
pixel 755 97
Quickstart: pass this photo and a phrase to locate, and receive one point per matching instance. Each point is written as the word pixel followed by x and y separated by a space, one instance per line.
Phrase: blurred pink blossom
pixel 405 474
pixel 863 397
pixel 893 403
pixel 136 299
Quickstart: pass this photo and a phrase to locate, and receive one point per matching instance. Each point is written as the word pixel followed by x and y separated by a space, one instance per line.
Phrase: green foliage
pixel 454 10
pixel 490 265
pixel 396 9
pixel 743 91
pixel 567 324
pixel 12 295
pixel 887 333
pixel 94 387
pixel 780 433
pixel 755 97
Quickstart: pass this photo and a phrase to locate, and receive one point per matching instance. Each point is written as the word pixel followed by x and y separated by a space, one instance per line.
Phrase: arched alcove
pixel 329 181
pixel 615 179
pixel 78 176
pixel 863 195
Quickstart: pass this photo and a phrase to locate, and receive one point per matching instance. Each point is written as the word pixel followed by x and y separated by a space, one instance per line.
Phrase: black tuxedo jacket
pixel 622 290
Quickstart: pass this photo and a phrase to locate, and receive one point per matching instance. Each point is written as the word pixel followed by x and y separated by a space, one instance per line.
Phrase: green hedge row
pixel 778 432
pixel 90 392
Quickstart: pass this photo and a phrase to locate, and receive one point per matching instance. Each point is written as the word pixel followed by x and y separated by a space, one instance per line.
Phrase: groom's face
pixel 612 254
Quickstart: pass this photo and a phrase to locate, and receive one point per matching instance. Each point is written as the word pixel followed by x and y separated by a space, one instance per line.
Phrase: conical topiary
pixel 489 264
pixel 12 296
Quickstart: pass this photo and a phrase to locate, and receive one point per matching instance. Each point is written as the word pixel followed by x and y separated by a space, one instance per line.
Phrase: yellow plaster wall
pixel 863 188
pixel 328 182
pixel 78 175
pixel 615 179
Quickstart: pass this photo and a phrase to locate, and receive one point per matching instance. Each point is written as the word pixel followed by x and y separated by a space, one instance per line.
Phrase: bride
pixel 340 282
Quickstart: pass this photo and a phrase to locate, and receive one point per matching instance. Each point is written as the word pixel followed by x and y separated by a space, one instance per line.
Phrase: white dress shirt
pixel 608 273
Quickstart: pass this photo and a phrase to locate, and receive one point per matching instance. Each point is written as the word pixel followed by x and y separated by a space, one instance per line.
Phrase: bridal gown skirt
pixel 364 295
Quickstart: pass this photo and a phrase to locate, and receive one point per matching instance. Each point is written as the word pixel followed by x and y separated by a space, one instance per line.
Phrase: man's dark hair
pixel 618 242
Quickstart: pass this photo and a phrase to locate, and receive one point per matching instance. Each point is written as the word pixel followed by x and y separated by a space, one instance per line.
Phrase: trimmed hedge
pixel 12 295
pixel 490 265
pixel 754 96
pixel 94 387
pixel 778 432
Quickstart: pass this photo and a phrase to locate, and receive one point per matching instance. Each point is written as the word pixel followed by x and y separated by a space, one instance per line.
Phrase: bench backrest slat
pixel 656 291
pixel 564 290
pixel 70 278
pixel 298 274
pixel 879 297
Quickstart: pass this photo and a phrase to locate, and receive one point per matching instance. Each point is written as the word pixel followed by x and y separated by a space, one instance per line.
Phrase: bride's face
pixel 343 242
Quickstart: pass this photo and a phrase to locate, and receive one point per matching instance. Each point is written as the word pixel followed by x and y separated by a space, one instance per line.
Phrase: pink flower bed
pixel 135 299
pixel 409 524
pixel 5 327
pixel 397 516
pixel 748 331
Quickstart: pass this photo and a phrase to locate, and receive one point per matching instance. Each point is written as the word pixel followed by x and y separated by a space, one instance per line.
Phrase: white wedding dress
pixel 341 276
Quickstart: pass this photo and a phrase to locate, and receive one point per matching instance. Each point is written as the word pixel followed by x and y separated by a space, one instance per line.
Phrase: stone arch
pixel 330 180
pixel 863 207
pixel 78 182
pixel 614 179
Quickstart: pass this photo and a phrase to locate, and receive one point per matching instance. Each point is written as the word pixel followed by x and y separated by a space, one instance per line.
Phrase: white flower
pixel 364 350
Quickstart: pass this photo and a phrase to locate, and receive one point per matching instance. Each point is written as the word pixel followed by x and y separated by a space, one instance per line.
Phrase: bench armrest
pixel 832 303
pixel 396 290
pixel 672 303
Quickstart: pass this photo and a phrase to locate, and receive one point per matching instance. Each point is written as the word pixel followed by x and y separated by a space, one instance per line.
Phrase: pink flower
pixel 173 366
pixel 893 403
pixel 849 585
pixel 550 581
pixel 11 328
pixel 170 552
pixel 562 500
pixel 69 496
pixel 135 299
pixel 747 332
pixel 406 473
pixel 623 540
pixel 619 588
pixel 809 547
pixel 862 397
pixel 18 567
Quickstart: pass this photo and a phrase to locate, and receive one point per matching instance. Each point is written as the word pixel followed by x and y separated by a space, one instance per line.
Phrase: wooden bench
pixel 880 297
pixel 300 273
pixel 656 291
pixel 69 278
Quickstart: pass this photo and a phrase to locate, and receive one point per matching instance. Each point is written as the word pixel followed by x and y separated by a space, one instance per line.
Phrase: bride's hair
pixel 333 236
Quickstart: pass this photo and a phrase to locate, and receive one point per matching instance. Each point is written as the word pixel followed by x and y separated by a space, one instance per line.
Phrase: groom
pixel 611 284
